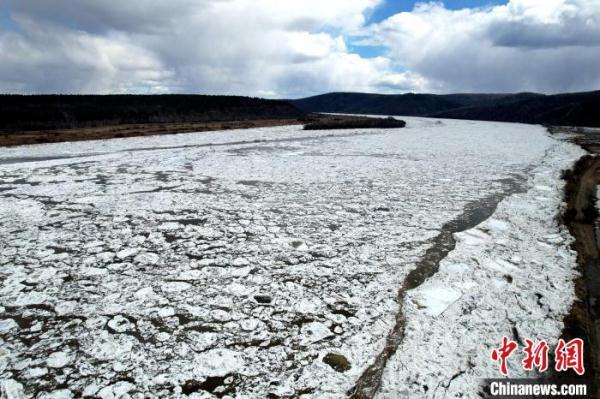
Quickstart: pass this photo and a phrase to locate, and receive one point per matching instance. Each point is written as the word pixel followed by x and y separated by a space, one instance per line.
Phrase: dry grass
pixel 132 130
pixel 150 129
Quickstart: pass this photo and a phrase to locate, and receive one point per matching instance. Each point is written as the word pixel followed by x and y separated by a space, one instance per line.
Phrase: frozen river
pixel 267 262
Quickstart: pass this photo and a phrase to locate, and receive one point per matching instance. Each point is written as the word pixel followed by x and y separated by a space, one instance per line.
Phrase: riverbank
pixel 132 130
pixel 581 218
pixel 311 122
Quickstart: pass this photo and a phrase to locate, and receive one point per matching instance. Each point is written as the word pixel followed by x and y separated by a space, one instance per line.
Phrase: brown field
pixel 132 130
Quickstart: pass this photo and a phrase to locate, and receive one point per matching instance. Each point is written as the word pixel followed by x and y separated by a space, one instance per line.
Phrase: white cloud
pixel 526 45
pixel 291 48
pixel 54 59
pixel 255 47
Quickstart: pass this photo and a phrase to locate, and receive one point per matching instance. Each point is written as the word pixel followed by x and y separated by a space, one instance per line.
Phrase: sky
pixel 292 48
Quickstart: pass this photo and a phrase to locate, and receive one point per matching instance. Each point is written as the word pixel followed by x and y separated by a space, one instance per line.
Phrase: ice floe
pixel 514 287
pixel 239 263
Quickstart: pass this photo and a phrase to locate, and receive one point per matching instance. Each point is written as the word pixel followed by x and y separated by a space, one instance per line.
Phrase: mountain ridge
pixel 573 109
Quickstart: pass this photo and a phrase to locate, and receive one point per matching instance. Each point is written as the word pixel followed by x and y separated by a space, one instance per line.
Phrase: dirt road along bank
pixel 581 217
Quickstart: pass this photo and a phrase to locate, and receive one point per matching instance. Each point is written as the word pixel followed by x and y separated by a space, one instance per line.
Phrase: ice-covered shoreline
pixel 513 273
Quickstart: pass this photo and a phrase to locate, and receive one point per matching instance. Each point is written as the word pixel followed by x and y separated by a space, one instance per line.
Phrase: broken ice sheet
pixel 233 270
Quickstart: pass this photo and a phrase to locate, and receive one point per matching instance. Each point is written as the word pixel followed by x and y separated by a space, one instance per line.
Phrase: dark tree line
pixel 573 109
pixel 44 112
pixel 353 122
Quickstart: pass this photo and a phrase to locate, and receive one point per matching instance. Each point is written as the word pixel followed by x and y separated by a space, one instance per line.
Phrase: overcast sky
pixel 295 48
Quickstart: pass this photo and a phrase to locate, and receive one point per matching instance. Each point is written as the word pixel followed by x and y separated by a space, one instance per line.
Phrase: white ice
pixel 232 262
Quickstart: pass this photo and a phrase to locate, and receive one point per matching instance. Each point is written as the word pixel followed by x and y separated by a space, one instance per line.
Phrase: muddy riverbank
pixel 132 130
pixel 581 217
pixel 311 122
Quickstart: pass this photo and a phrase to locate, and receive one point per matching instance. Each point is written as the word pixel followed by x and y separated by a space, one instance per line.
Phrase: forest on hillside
pixel 46 112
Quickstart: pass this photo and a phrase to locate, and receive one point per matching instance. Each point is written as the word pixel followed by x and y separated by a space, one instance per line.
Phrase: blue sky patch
pixel 391 7
pixel 6 22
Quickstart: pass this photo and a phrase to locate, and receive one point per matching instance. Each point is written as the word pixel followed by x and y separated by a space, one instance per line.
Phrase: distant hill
pixel 574 109
pixel 44 112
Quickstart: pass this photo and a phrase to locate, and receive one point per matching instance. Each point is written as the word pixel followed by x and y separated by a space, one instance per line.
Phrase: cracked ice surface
pixel 230 263
pixel 510 276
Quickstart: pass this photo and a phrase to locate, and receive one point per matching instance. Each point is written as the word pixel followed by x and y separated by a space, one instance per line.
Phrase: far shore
pixel 132 130
pixel 310 122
